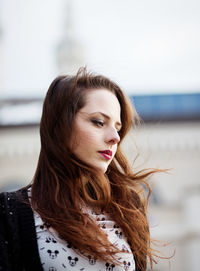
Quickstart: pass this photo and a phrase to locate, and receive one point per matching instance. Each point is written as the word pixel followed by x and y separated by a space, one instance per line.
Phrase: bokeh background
pixel 152 50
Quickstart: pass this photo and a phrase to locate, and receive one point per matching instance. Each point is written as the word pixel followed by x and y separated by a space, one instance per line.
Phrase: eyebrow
pixel 107 117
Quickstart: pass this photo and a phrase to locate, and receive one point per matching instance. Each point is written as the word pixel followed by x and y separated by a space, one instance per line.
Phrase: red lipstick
pixel 106 154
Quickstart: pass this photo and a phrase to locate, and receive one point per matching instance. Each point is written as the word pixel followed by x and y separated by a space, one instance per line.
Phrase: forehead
pixel 102 100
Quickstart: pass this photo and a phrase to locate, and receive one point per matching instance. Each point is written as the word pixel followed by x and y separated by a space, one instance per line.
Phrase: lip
pixel 106 154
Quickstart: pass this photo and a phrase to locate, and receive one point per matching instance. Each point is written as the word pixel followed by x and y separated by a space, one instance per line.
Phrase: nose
pixel 113 136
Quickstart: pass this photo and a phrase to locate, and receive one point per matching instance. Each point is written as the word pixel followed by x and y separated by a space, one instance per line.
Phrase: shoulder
pixel 16 228
pixel 11 205
pixel 10 241
pixel 14 195
pixel 9 200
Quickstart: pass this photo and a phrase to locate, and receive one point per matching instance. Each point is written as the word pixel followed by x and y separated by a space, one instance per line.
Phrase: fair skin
pixel 95 134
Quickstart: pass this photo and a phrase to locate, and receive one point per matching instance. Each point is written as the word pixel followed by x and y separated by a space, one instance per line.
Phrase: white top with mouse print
pixel 57 255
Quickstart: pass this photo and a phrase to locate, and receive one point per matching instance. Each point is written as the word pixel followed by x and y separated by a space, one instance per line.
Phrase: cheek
pixel 114 150
pixel 84 140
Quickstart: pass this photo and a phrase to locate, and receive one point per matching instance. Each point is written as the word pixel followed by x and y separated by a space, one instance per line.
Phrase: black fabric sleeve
pixel 4 262
pixel 30 254
pixel 9 237
pixel 18 243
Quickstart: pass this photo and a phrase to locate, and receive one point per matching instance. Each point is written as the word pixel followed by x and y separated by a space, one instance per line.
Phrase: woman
pixel 85 208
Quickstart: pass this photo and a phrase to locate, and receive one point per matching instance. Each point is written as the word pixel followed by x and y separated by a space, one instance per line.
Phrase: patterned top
pixel 58 255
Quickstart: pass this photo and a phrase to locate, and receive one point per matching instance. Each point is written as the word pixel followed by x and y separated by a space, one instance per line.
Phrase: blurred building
pixel 168 138
pixel 39 39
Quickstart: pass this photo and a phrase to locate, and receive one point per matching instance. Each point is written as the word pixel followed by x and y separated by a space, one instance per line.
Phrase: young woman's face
pixel 95 134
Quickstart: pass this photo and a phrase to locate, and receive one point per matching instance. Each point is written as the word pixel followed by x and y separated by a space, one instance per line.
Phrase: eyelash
pixel 98 123
pixel 101 123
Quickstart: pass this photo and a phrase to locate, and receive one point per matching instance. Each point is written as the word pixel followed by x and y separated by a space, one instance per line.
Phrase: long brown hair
pixel 63 184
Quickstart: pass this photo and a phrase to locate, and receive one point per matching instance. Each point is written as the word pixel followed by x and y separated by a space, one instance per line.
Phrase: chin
pixel 102 168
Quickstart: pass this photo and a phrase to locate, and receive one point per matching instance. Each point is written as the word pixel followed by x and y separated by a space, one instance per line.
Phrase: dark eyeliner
pixel 97 122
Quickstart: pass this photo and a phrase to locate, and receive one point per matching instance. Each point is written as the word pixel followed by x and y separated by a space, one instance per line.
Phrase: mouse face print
pixel 92 260
pixel 109 267
pixel 52 253
pixel 119 234
pixel 50 239
pixel 102 224
pixel 72 261
pixel 126 265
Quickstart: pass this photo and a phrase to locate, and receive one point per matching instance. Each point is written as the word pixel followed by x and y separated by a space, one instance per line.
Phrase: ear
pixel 69 258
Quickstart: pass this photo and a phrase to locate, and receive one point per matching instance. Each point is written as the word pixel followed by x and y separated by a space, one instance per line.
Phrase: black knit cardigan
pixel 18 242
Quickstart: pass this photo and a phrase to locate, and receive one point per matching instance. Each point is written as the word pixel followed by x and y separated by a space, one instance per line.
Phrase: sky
pixel 146 46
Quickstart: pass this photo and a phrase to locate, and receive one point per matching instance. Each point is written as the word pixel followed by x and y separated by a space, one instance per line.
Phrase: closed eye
pixel 97 122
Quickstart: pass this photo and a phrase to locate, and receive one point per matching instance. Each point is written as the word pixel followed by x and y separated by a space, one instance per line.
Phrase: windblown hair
pixel 63 185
